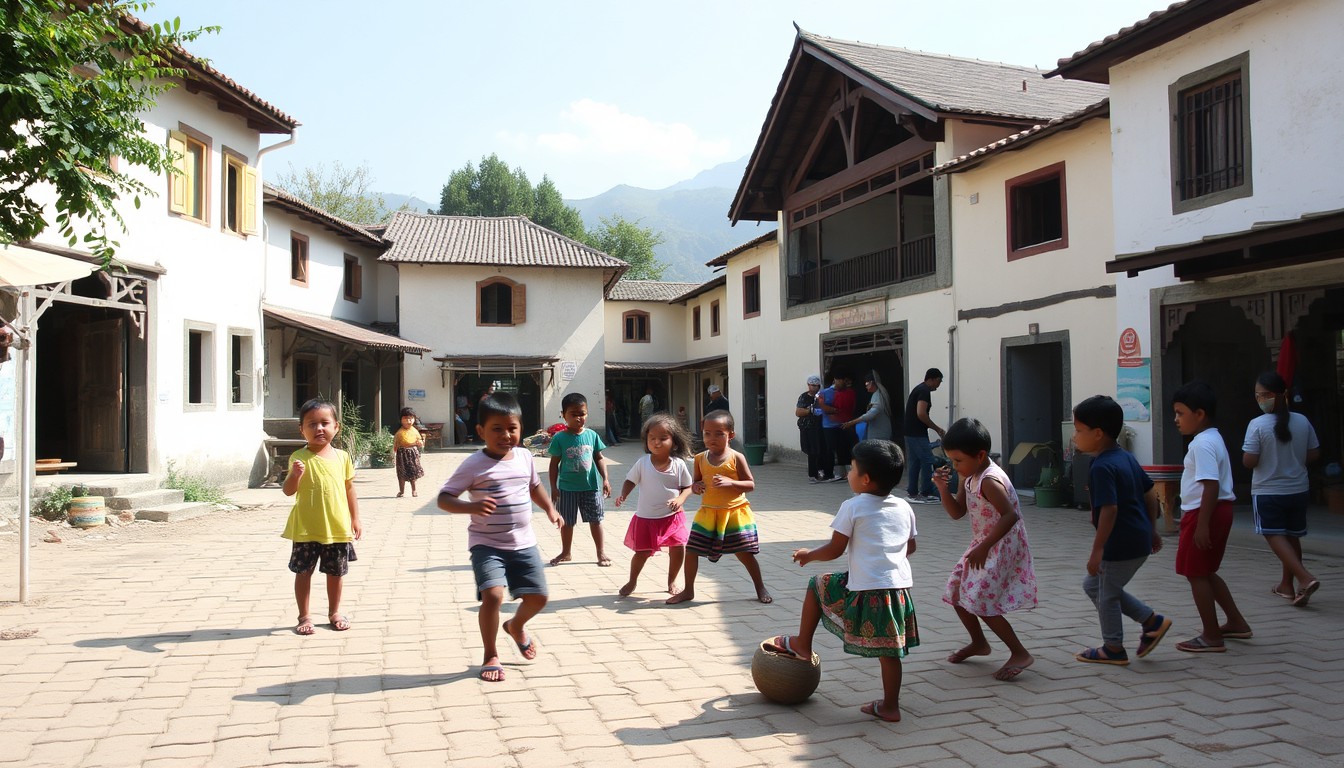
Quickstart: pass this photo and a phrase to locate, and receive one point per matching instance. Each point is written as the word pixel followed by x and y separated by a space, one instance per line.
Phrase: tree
pixel 343 192
pixel 491 188
pixel 631 243
pixel 73 86
pixel 551 212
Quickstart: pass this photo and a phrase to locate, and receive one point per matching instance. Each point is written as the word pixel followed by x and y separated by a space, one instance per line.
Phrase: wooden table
pixel 1167 482
pixel 55 466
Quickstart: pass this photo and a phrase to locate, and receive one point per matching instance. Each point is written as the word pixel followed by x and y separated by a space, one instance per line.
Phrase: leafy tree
pixel 341 191
pixel 73 87
pixel 631 243
pixel 491 188
pixel 551 212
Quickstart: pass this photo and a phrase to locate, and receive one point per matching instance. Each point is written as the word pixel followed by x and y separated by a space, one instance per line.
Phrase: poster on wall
pixel 1133 378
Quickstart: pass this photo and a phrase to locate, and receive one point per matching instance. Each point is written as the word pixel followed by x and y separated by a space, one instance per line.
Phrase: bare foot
pixel 604 561
pixel 874 708
pixel 673 588
pixel 967 652
pixel 413 493
pixel 563 557
pixel 1013 667
pixel 491 671
pixel 684 596
pixel 399 495
pixel 627 589
pixel 764 597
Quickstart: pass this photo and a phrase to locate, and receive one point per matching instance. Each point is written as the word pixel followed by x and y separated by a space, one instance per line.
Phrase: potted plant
pixel 1052 489
pixel 380 448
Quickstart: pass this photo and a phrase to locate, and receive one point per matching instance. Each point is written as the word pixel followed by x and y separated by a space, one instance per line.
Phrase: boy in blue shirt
pixel 1124 512
pixel 578 477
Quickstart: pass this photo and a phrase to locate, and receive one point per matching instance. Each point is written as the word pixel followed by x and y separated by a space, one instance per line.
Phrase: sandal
pixel 305 626
pixel 784 648
pixel 1197 644
pixel 1150 638
pixel 339 622
pixel 1304 594
pixel 1285 595
pixel 1103 655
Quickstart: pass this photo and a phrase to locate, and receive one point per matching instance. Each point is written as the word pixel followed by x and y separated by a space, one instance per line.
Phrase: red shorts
pixel 1190 559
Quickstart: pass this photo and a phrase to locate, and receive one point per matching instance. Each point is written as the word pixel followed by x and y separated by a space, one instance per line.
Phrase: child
pixel 868 606
pixel 664 484
pixel 325 517
pixel 409 441
pixel 724 524
pixel 995 575
pixel 578 477
pixel 503 485
pixel 1206 519
pixel 1124 512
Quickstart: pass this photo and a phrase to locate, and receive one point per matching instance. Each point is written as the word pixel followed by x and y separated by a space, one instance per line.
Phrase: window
pixel 500 301
pixel 188 182
pixel 714 318
pixel 636 326
pixel 240 368
pixel 240 195
pixel 353 278
pixel 695 322
pixel 751 292
pixel 1037 214
pixel 199 371
pixel 1211 135
pixel 298 258
pixel 305 381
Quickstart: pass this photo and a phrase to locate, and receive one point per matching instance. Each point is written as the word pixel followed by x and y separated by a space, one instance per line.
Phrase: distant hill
pixel 394 201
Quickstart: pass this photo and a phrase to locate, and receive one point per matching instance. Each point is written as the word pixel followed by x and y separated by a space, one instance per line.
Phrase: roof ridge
pixel 917 52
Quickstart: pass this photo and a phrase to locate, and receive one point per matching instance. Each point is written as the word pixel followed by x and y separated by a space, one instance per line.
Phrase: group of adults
pixel 828 427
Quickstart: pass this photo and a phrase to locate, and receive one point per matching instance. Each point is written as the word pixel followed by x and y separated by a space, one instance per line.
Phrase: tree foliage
pixel 344 192
pixel 73 87
pixel 491 188
pixel 631 243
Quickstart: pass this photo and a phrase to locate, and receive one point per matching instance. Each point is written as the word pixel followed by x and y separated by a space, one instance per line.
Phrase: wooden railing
pixel 896 264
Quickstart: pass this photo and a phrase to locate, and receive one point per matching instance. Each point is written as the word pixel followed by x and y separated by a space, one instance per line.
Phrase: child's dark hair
pixel 314 404
pixel 721 415
pixel 1100 412
pixel 880 460
pixel 1273 382
pixel 408 412
pixel 498 404
pixel 681 439
pixel 968 436
pixel 571 400
pixel 1197 396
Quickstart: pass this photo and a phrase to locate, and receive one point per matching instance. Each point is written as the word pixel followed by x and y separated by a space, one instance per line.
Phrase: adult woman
pixel 809 428
pixel 877 419
pixel 1277 448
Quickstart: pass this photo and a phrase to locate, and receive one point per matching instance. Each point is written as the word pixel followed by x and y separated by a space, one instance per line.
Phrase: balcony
pixel 888 266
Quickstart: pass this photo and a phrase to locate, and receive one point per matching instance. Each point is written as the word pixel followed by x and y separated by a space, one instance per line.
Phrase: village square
pixel 943 237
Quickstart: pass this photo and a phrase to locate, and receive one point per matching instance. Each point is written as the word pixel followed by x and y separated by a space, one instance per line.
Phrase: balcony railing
pixel 889 265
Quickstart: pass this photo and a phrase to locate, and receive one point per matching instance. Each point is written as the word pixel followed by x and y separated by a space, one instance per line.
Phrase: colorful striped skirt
pixel 717 531
pixel 874 622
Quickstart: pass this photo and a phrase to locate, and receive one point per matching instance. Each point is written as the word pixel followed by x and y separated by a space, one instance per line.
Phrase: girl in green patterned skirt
pixel 868 606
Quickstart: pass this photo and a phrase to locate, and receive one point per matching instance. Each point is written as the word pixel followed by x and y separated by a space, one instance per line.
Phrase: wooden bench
pixel 283 438
pixel 55 466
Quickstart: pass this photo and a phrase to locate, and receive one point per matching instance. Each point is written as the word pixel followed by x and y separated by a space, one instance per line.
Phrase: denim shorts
pixel 1281 515
pixel 336 558
pixel 575 504
pixel 521 570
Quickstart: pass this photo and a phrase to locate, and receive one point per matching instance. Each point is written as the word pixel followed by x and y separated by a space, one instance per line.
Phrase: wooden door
pixel 100 432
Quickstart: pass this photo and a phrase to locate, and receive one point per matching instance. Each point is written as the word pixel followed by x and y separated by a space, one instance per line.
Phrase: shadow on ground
pixel 299 691
pixel 150 643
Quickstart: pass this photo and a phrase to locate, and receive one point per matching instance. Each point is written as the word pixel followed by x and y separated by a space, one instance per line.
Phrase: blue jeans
pixel 919 463
pixel 1107 591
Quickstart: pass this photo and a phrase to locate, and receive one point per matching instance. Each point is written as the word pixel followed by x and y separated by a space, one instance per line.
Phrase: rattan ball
pixel 784 679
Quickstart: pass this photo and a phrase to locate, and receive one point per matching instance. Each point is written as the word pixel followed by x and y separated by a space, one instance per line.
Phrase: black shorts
pixel 336 558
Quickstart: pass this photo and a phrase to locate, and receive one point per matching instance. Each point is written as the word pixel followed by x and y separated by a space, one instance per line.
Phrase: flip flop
pixel 874 708
pixel 784 648
pixel 1197 645
pixel 339 622
pixel 1102 655
pixel 492 668
pixel 1304 594
pixel 529 647
pixel 1275 592
pixel 305 626
pixel 1244 634
pixel 1149 640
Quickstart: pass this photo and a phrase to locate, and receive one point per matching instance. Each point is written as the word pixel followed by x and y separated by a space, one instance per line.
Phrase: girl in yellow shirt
pixel 408 444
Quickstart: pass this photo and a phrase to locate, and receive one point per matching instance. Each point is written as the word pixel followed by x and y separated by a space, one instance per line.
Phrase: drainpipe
pixel 265 246
pixel 951 374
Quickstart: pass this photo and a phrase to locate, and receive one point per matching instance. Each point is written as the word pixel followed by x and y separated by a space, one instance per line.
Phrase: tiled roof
pixel 648 290
pixel 702 288
pixel 722 259
pixel 342 330
pixel 948 84
pixel 1023 138
pixel 513 241
pixel 304 209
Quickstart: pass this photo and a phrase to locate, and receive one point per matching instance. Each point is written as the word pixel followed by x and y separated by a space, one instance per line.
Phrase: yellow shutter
pixel 248 203
pixel 178 179
pixel 519 304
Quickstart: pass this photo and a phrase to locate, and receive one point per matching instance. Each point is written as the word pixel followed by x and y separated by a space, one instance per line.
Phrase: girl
pixel 1277 449
pixel 869 606
pixel 724 523
pixel 664 484
pixel 409 441
pixel 325 519
pixel 995 575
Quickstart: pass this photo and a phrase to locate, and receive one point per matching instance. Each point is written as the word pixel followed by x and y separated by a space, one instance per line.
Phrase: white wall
pixel 324 293
pixel 667 332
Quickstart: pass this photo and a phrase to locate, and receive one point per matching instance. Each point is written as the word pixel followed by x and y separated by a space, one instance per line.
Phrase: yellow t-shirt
pixel 321 510
pixel 719 498
pixel 407 437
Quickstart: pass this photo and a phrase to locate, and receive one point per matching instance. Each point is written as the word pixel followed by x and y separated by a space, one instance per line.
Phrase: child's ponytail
pixel 1273 382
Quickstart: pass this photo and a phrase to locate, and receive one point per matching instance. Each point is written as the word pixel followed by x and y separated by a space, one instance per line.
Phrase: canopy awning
pixel 699 364
pixel 486 365
pixel 347 333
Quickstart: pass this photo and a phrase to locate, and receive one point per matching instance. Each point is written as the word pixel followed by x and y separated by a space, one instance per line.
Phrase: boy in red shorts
pixel 1206 519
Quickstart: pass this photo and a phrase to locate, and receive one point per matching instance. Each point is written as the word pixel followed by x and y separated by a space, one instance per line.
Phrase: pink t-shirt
pixel 509 481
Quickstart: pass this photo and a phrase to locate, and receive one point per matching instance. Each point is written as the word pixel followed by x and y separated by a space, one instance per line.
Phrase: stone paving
pixel 177 648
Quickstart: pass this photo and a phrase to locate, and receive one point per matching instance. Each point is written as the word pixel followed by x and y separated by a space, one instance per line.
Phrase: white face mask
pixel 1267 405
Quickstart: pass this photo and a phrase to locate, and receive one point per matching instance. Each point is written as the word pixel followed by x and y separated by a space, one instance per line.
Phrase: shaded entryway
pixel 1035 401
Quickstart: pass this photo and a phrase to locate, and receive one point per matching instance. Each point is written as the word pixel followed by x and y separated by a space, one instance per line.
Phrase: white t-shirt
pixel 657 488
pixel 1283 466
pixel 879 528
pixel 1206 459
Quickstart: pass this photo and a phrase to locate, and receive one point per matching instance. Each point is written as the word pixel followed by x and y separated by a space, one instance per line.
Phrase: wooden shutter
pixel 178 180
pixel 359 281
pixel 519 304
pixel 247 202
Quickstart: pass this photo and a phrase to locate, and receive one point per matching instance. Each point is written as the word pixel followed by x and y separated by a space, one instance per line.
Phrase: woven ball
pixel 784 679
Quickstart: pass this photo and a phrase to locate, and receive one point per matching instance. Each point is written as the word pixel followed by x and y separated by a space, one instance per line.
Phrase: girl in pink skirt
pixel 664 483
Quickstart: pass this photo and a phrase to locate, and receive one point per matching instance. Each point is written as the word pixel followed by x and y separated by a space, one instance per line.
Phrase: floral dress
pixel 1007 582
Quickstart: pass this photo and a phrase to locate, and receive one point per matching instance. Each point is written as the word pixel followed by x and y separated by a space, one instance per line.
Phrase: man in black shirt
pixel 918 449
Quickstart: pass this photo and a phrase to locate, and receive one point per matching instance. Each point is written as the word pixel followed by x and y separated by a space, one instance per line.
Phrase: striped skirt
pixel 874 622
pixel 717 531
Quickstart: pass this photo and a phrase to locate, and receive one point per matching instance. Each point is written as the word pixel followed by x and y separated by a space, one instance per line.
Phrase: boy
pixel 1206 519
pixel 1124 512
pixel 578 477
pixel 503 484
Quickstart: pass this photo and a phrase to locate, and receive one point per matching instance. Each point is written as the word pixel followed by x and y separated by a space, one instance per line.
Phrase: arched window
pixel 500 301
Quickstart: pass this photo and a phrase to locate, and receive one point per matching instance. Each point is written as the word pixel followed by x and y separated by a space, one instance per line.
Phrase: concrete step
pixel 119 487
pixel 144 499
pixel 173 513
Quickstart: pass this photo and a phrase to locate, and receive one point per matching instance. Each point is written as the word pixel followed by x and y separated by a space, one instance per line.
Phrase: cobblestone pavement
pixel 177 649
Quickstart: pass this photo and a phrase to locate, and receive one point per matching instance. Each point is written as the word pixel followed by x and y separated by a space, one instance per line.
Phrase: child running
pixel 578 477
pixel 1206 519
pixel 664 483
pixel 995 575
pixel 1124 512
pixel 325 519
pixel 409 443
pixel 724 524
pixel 503 485
pixel 868 606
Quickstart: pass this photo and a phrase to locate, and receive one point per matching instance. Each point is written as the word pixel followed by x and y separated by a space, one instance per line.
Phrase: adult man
pixel 717 402
pixel 647 405
pixel 836 404
pixel 809 428
pixel 918 449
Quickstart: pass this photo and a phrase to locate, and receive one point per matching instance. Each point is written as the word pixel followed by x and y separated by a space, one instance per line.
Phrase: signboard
pixel 1133 378
pixel 859 315
pixel 568 370
pixel 415 394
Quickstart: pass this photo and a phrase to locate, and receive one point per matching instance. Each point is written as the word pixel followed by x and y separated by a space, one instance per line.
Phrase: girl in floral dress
pixel 995 575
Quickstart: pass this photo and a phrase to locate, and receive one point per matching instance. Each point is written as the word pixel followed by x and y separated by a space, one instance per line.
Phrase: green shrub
pixel 53 506
pixel 193 487
pixel 380 448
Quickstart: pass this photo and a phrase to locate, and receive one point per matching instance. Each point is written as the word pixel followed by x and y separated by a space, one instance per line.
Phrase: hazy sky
pixel 592 93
